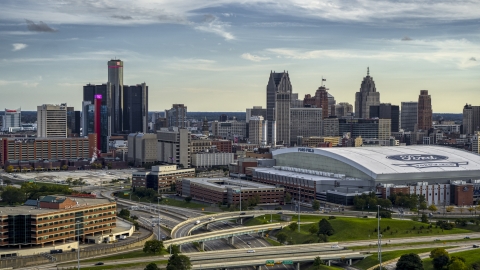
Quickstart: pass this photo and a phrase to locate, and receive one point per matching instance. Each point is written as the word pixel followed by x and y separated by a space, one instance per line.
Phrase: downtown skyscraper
pixel 368 96
pixel 424 110
pixel 279 91
pixel 115 78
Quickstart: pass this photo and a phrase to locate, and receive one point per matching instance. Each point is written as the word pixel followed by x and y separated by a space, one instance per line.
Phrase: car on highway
pixel 243 213
pixel 335 246
pixel 197 222
pixel 248 243
pixel 466 237
pixel 211 218
pixel 476 246
pixel 436 239
pixel 99 263
pixel 250 251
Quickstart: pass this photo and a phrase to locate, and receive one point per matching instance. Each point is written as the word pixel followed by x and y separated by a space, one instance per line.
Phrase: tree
pixel 424 218
pixel 325 228
pixel 313 229
pixel 151 266
pixel 288 198
pixel 410 261
pixel 317 263
pixel 179 262
pixel 9 169
pixel 153 246
pixel 449 209
pixel 281 237
pixel 174 249
pixel 292 226
pixel 457 265
pixel 188 199
pixel 384 203
pixel 315 205
pixel 29 188
pixel 440 258
pixel 423 206
pixel 124 213
pixel 13 195
pixel 432 208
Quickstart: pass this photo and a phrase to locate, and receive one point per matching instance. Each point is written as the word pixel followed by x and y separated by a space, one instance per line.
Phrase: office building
pixel 342 109
pixel 476 142
pixel 173 146
pixel 257 130
pixel 229 191
pixel 200 145
pixel 424 111
pixel 73 122
pixel 295 102
pixel 331 104
pixel 305 122
pixel 368 96
pixel 279 90
pixel 224 146
pixel 45 149
pixel 161 178
pixel 387 111
pixel 177 116
pixel 319 100
pixel 409 116
pixel 330 126
pixel 471 119
pixel 11 119
pixel 315 142
pixel 52 121
pixel 366 128
pixel 135 117
pixel 210 159
pixel 106 92
pixel 57 219
pixel 255 111
pixel 142 148
pixel 230 130
pixel 115 78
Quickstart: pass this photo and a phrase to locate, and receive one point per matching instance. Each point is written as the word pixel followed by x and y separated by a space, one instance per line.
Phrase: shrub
pixel 331 217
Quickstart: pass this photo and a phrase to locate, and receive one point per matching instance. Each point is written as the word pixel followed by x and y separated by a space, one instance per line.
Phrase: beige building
pixel 200 145
pixel 384 129
pixel 160 178
pixel 211 159
pixel 256 130
pixel 229 130
pixel 173 146
pixel 52 121
pixel 313 142
pixel 142 148
pixel 476 142
pixel 305 122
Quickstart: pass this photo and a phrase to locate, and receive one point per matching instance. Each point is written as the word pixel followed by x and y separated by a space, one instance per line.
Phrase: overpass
pixel 186 227
pixel 229 234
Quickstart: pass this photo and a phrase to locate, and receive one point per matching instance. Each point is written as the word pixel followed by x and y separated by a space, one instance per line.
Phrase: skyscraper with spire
pixel 115 77
pixel 368 96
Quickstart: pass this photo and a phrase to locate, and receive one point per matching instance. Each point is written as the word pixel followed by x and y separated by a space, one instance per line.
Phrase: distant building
pixel 11 119
pixel 73 122
pixel 229 191
pixel 331 126
pixel 208 159
pixel 135 109
pixel 161 178
pixel 368 96
pixel 319 100
pixel 471 119
pixel 255 111
pixel 279 90
pixel 305 122
pixel 174 147
pixel 52 121
pixel 231 130
pixel 224 146
pixel 387 111
pixel 424 110
pixel 314 142
pixel 257 130
pixel 177 116
pixel 476 142
pixel 115 101
pixel 366 128
pixel 142 148
pixel 343 109
pixel 409 116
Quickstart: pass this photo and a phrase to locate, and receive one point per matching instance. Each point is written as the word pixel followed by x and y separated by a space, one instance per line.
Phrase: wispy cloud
pixel 254 58
pixel 39 27
pixel 406 38
pixel 472 59
pixel 212 24
pixel 122 17
pixel 18 46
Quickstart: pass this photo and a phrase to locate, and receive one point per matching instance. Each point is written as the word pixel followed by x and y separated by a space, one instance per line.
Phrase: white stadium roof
pixel 376 161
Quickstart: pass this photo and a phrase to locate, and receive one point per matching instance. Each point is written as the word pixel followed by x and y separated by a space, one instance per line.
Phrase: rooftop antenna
pixel 368 71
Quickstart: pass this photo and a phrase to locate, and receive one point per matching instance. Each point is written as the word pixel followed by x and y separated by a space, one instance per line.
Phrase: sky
pixel 216 55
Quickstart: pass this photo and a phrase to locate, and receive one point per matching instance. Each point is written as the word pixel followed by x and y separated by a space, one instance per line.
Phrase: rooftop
pixel 225 183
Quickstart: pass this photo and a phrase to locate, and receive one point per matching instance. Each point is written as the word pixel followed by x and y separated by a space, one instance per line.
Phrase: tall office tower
pixel 177 116
pixel 107 93
pixel 52 121
pixel 255 111
pixel 156 115
pixel 320 100
pixel 409 115
pixel 305 122
pixel 343 109
pixel 471 119
pixel 368 96
pixel 424 110
pixel 73 122
pixel 97 123
pixel 115 77
pixel 279 90
pixel 387 111
pixel 331 104
pixel 255 132
pixel 330 126
pixel 135 109
pixel 12 119
pixel 88 111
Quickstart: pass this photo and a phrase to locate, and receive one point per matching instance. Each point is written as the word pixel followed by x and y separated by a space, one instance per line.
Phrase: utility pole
pixel 379 238
pixel 298 209
pixel 159 231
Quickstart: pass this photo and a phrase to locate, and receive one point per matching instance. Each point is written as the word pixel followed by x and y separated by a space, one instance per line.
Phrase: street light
pixel 299 208
pixel 78 249
pixel 379 238
pixel 159 231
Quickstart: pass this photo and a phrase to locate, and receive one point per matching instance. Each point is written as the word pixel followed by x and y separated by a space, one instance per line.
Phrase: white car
pixel 250 251
pixel 335 246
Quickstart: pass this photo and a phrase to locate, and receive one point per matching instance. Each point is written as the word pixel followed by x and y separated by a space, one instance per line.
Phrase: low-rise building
pixel 206 159
pixel 56 219
pixel 161 178
pixel 229 191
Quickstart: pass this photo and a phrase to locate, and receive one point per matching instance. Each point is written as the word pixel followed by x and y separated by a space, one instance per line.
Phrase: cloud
pixel 472 59
pixel 40 27
pixel 122 17
pixel 254 58
pixel 211 24
pixel 18 46
pixel 406 38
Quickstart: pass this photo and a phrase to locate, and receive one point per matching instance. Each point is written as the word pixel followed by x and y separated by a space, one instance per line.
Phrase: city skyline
pixel 197 53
